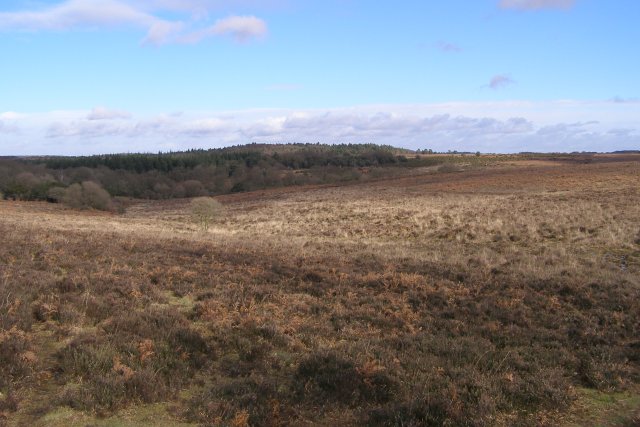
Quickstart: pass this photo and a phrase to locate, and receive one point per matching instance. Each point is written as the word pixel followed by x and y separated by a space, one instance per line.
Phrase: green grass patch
pixel 139 416
pixel 601 409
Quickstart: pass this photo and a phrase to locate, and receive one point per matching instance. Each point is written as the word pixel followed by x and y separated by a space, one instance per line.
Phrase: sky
pixel 82 77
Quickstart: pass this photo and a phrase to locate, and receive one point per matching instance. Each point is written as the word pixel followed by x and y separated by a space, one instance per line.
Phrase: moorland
pixel 420 290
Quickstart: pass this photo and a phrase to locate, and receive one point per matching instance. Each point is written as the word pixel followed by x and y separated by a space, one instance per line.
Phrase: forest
pixel 203 172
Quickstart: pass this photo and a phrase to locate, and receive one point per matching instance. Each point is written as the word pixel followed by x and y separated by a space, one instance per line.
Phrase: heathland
pixel 464 290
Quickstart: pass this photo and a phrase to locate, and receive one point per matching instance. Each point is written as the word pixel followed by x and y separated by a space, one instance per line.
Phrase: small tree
pixel 204 210
pixel 87 195
pixel 73 196
pixel 95 196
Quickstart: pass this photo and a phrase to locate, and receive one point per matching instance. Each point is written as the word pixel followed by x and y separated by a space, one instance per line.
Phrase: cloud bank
pixel 488 127
pixel 102 113
pixel 146 15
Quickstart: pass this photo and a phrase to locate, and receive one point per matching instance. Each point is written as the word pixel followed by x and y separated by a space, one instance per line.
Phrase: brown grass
pixel 491 296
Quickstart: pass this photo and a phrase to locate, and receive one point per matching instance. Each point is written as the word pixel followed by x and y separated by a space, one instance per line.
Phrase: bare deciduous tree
pixel 204 210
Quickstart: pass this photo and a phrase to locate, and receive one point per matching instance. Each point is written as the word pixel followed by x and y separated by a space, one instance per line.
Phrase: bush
pixel 331 378
pixel 258 399
pixel 27 186
pixel 87 195
pixel 95 196
pixel 204 210
pixel 16 359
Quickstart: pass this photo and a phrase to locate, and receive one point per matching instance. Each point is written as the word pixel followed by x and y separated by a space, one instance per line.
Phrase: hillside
pixel 499 295
pixel 205 172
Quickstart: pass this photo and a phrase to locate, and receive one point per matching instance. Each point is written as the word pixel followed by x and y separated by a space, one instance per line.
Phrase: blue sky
pixel 93 76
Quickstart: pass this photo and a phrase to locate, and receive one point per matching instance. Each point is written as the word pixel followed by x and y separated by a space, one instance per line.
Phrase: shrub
pixel 27 186
pixel 220 404
pixel 87 195
pixel 95 196
pixel 329 377
pixel 204 210
pixel 15 360
pixel 414 413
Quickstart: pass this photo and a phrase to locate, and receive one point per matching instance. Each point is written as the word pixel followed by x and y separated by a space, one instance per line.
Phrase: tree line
pixel 196 173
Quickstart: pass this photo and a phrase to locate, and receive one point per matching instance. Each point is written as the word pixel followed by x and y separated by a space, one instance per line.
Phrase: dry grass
pixel 485 297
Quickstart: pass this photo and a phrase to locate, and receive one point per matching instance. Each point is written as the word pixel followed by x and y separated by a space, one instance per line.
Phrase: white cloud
pixel 240 28
pixel 101 113
pixel 196 7
pixel 78 13
pixel 204 127
pixel 509 126
pixel 92 14
pixel 11 115
pixel 500 81
pixel 162 32
pixel 536 4
pixel 201 8
pixel 621 100
pixel 84 129
pixel 8 121
pixel 7 130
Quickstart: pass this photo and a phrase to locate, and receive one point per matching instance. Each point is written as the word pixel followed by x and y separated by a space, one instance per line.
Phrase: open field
pixel 499 295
